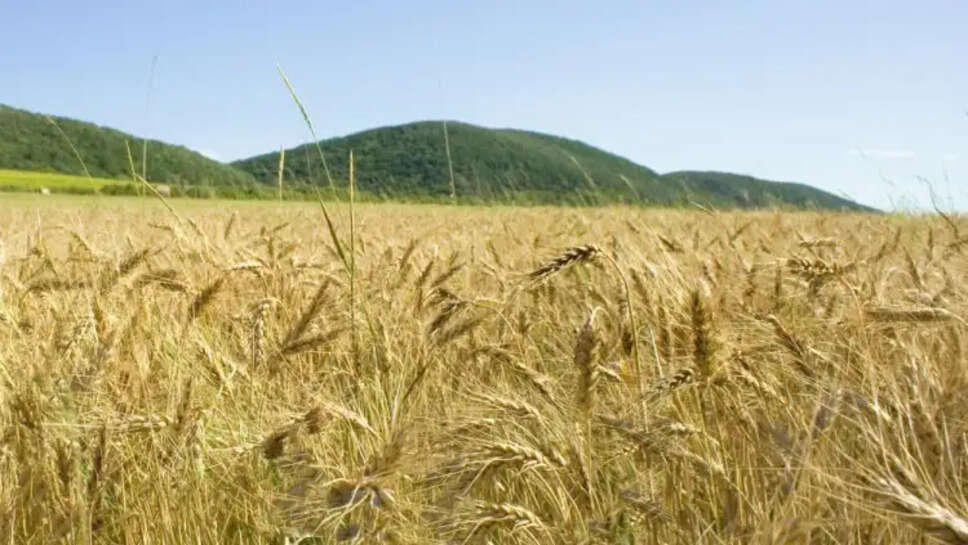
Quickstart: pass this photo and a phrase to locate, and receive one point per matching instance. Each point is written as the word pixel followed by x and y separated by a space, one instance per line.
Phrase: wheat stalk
pixel 571 257
pixel 584 358
pixel 204 298
pixel 891 314
pixel 932 517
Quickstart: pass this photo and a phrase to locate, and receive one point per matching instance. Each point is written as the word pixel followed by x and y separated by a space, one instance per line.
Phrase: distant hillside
pixel 28 141
pixel 407 162
pixel 749 192
pixel 504 164
pixel 488 163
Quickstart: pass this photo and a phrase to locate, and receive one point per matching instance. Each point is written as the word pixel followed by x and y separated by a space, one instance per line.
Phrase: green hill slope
pixel 400 162
pixel 503 164
pixel 28 141
pixel 749 192
pixel 407 160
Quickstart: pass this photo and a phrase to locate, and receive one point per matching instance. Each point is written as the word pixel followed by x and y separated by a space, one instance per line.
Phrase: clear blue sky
pixel 859 98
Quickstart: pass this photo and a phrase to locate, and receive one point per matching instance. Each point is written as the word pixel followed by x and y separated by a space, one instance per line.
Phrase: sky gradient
pixel 864 99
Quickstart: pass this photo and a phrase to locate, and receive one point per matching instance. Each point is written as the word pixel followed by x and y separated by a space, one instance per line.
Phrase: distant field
pixel 224 372
pixel 23 180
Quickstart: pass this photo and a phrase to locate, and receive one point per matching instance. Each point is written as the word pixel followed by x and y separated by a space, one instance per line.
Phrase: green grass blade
pixel 332 232
pixel 312 130
pixel 69 143
pixel 282 169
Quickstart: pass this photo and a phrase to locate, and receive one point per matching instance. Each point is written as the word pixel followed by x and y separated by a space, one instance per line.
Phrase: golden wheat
pixel 239 375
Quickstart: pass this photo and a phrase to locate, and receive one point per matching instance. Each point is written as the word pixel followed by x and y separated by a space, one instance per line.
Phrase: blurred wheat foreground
pixel 243 374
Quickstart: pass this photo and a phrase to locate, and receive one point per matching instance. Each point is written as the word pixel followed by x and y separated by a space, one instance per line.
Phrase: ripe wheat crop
pixel 249 374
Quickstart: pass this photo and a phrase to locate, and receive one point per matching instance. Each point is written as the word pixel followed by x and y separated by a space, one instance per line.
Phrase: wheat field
pixel 229 373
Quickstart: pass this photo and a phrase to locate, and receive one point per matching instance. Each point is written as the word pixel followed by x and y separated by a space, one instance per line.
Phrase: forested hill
pixel 750 192
pixel 406 162
pixel 499 164
pixel 30 141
